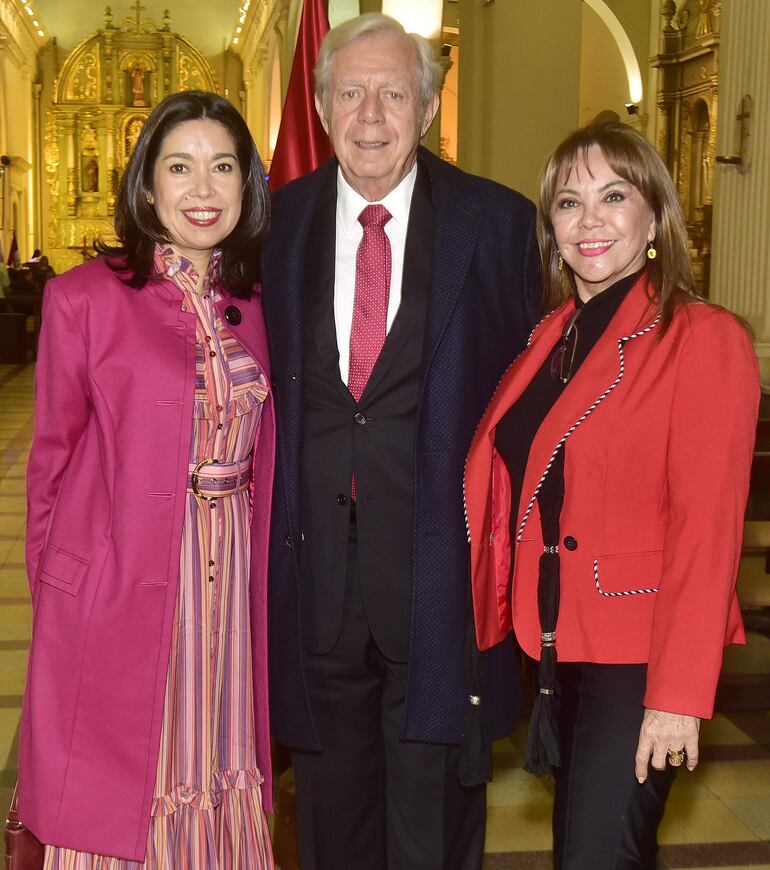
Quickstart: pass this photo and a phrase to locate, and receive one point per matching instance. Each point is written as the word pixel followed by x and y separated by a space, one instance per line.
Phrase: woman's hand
pixel 662 731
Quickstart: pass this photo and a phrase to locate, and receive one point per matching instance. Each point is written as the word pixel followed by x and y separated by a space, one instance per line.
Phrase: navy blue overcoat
pixel 483 302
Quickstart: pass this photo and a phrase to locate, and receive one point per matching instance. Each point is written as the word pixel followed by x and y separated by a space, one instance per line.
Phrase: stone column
pixel 740 271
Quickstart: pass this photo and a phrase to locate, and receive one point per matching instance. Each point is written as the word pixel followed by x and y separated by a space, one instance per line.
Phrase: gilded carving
pixel 132 127
pixel 137 24
pixel 682 16
pixel 52 159
pixel 190 74
pixel 707 13
pixel 71 191
pixel 83 84
pixel 687 60
pixel 103 93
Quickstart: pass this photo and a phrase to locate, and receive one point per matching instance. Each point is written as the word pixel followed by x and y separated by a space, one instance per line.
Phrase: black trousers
pixel 603 819
pixel 369 800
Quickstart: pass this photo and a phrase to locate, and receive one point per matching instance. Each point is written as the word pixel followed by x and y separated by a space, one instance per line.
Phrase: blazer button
pixel 288 542
pixel 233 315
pixel 342 499
pixel 570 543
pixel 292 376
pixel 360 419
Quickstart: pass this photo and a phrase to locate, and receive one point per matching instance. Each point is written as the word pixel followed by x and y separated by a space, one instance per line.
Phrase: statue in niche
pixel 88 138
pixel 91 176
pixel 137 75
pixel 89 151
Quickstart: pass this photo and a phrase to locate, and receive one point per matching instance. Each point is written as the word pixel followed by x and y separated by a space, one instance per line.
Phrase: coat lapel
pixel 599 376
pixel 285 266
pixel 318 300
pixel 457 223
pixel 415 281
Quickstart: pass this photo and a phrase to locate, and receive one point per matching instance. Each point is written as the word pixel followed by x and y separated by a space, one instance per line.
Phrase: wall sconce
pixel 632 108
pixel 424 17
pixel 742 159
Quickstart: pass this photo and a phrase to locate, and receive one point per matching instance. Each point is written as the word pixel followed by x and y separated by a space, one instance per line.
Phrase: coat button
pixel 360 419
pixel 288 542
pixel 570 543
pixel 342 499
pixel 292 376
pixel 233 315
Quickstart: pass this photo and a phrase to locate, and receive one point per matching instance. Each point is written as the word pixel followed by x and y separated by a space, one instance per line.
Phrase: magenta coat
pixel 106 493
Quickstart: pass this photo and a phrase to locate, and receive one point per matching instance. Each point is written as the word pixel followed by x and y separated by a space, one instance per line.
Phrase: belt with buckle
pixel 210 479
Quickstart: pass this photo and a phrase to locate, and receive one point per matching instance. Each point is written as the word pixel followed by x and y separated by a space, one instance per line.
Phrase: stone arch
pixel 631 64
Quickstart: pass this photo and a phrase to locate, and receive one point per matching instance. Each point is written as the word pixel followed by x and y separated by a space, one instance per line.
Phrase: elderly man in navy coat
pixel 396 291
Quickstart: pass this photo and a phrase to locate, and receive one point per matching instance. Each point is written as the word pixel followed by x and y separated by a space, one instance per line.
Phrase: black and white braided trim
pixel 616 594
pixel 583 416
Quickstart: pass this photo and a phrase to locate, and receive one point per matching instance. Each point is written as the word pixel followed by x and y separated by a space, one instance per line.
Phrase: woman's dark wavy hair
pixel 136 223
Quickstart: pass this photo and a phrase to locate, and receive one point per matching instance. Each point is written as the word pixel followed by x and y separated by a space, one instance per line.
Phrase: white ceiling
pixel 207 23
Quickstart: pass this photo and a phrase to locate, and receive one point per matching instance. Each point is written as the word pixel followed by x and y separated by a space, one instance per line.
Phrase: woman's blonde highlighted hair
pixel 634 159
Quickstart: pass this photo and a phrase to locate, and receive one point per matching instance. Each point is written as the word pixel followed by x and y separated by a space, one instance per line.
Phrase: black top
pixel 517 429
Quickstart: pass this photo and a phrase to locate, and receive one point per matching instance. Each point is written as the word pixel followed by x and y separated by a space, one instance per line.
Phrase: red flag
pixel 302 144
pixel 13 249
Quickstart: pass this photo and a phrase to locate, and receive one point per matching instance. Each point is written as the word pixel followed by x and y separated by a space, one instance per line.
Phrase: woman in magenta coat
pixel 605 489
pixel 144 733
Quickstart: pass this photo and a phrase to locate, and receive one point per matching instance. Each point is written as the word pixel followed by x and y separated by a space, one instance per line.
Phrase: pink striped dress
pixel 207 811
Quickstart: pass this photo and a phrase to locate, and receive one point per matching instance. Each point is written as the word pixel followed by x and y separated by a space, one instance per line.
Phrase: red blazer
pixel 106 483
pixel 659 434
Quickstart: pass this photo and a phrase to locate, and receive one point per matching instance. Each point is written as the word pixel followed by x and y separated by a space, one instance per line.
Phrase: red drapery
pixel 302 144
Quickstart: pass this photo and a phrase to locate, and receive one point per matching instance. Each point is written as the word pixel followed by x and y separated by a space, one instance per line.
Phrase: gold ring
pixel 675 757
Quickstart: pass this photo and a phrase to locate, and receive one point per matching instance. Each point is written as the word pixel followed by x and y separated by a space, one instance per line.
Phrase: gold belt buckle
pixel 195 479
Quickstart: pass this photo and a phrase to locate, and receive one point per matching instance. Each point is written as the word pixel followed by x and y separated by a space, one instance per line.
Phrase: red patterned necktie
pixel 370 304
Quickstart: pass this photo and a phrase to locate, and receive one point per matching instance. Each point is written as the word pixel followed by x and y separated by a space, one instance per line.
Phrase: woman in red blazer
pixel 605 490
pixel 144 733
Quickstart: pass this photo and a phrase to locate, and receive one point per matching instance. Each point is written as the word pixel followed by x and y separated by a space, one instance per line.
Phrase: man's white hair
pixel 428 70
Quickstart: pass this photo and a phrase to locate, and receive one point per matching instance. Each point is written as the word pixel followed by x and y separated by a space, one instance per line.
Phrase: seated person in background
pixel 41 272
pixel 21 281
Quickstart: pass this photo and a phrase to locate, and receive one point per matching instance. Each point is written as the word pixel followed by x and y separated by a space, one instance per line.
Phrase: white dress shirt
pixel 350 204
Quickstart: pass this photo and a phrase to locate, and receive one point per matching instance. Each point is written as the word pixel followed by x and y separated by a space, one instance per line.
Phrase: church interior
pixel 77 81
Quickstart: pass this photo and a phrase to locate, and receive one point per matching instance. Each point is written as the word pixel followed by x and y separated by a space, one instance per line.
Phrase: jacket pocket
pixel 63 570
pixel 628 573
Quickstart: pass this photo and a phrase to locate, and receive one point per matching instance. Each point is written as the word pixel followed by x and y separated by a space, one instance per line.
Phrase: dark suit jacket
pixel 483 302
pixel 372 439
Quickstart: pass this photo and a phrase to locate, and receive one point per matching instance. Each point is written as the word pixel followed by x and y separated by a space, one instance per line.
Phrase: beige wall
pixel 531 72
pixel 519 85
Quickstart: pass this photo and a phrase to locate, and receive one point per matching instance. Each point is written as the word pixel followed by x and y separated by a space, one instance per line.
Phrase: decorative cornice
pixel 19 37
